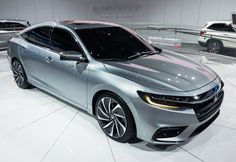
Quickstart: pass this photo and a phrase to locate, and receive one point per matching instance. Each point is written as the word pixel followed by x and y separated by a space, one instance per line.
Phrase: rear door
pixel 32 50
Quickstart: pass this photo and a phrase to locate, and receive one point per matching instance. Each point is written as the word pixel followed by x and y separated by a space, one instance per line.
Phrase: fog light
pixel 168 132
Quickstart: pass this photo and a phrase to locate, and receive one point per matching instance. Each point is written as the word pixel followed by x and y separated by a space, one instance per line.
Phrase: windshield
pixel 112 43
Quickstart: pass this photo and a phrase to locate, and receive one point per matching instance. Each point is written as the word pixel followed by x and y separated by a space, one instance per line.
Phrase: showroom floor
pixel 35 126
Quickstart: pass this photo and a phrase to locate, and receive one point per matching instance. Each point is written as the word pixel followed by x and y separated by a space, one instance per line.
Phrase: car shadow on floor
pixel 151 147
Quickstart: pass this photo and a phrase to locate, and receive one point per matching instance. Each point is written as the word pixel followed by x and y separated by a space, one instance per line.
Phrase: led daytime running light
pixel 148 99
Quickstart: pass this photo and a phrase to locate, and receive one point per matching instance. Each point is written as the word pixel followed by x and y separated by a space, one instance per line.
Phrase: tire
pixel 214 46
pixel 19 75
pixel 115 120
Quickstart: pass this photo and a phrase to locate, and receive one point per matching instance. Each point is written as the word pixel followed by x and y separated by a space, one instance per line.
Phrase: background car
pixel 8 28
pixel 217 35
pixel 133 89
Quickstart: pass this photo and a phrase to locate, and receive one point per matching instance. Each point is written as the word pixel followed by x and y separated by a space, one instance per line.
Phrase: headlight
pixel 179 102
pixel 157 101
pixel 154 103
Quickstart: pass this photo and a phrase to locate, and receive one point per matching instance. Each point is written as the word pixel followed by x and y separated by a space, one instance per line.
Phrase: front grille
pixel 205 109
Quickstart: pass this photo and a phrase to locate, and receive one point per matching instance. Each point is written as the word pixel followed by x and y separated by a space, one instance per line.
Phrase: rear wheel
pixel 115 118
pixel 19 75
pixel 214 46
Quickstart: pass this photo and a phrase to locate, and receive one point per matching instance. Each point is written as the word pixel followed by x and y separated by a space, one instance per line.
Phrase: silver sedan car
pixel 135 90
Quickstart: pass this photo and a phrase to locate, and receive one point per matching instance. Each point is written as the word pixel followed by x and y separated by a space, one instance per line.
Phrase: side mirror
pixel 72 56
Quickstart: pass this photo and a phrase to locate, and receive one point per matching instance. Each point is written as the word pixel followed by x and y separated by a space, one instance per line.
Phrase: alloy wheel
pixel 18 73
pixel 214 47
pixel 111 117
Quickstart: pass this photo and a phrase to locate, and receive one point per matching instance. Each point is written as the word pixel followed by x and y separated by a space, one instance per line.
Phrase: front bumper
pixel 202 41
pixel 164 126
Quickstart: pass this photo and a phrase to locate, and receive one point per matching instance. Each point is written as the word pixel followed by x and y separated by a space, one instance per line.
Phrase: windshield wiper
pixel 145 53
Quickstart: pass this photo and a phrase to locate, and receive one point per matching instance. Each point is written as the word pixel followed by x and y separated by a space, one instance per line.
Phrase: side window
pixel 229 28
pixel 39 36
pixel 218 27
pixel 2 26
pixel 11 26
pixel 14 26
pixel 19 26
pixel 221 27
pixel 26 35
pixel 63 41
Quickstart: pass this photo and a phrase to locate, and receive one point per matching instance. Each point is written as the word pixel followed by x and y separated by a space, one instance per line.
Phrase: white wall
pixel 174 12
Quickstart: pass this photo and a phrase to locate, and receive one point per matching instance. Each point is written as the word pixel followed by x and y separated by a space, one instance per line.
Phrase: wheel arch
pixel 16 58
pixel 117 93
pixel 95 97
pixel 126 102
pixel 214 39
pixel 13 59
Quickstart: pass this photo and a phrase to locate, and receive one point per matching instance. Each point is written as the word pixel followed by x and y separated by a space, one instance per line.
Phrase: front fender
pixel 127 90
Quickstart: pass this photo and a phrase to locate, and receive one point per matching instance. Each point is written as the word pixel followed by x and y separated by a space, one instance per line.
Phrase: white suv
pixel 216 35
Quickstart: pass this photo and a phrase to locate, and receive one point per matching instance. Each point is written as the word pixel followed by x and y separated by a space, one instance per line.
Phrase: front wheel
pixel 19 75
pixel 115 118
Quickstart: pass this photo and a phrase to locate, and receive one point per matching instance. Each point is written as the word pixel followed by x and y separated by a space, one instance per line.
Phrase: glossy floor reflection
pixel 35 126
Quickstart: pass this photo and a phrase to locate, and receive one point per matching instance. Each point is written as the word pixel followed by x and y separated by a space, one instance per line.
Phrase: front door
pixel 66 78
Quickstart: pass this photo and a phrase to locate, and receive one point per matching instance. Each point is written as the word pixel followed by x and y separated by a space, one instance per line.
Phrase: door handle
pixel 48 59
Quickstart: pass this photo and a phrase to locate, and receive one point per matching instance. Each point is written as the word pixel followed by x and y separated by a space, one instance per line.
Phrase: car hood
pixel 167 71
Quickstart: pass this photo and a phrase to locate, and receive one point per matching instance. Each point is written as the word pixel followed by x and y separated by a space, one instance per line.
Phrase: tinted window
pixel 230 28
pixel 39 36
pixel 19 26
pixel 221 27
pixel 15 26
pixel 111 42
pixel 2 25
pixel 26 35
pixel 62 41
pixel 11 26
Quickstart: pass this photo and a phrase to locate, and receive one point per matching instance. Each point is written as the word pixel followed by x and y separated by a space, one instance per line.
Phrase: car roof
pixel 223 22
pixel 82 24
pixel 75 25
pixel 13 20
